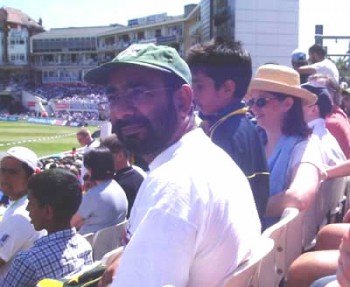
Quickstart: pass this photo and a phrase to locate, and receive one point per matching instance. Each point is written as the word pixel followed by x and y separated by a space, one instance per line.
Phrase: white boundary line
pixel 36 139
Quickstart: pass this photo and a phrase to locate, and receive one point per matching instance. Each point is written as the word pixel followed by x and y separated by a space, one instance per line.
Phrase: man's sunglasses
pixel 260 102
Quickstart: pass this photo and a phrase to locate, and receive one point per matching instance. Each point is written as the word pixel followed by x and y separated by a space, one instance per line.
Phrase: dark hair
pixel 324 102
pixel 317 49
pixel 100 161
pixel 114 144
pixel 293 122
pixel 331 84
pixel 58 188
pixel 222 59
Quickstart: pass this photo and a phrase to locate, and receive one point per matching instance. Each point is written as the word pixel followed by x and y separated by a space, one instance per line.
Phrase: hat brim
pixel 101 74
pixel 6 154
pixel 306 97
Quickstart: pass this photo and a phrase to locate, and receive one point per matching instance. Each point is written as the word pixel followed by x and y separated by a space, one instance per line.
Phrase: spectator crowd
pixel 224 152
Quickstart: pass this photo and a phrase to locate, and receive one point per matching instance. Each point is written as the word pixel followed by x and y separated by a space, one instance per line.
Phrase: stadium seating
pixel 107 239
pixel 247 274
pixel 274 266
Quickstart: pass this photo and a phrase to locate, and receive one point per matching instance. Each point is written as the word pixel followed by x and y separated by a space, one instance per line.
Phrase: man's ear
pixel 49 212
pixel 183 99
pixel 229 87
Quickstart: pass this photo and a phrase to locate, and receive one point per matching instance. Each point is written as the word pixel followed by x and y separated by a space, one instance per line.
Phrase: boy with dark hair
pixel 222 70
pixel 54 196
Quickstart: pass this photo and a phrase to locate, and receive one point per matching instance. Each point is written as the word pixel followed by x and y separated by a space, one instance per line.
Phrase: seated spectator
pixel 222 70
pixel 85 139
pixel 315 116
pixel 54 196
pixel 186 228
pixel 16 232
pixel 87 142
pixel 105 204
pixel 336 122
pixel 129 177
pixel 276 99
pixel 324 260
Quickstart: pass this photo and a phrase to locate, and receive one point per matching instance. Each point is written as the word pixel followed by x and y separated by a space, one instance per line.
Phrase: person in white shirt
pixel 319 63
pixel 313 265
pixel 87 142
pixel 314 116
pixel 16 231
pixel 187 226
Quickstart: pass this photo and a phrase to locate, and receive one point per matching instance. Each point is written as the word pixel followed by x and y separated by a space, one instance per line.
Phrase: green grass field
pixel 43 139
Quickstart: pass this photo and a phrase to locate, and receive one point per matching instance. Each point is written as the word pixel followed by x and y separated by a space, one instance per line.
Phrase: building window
pixel 158 33
pixel 140 35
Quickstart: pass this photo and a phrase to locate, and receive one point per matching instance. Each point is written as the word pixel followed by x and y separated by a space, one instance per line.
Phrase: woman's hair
pixel 293 122
pixel 100 161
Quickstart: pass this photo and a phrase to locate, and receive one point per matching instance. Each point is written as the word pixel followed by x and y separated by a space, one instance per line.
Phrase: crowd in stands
pixel 195 212
pixel 52 91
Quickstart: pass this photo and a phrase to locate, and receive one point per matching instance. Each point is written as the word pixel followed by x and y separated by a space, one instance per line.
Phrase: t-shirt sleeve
pixel 20 274
pixel 307 151
pixel 160 257
pixel 14 234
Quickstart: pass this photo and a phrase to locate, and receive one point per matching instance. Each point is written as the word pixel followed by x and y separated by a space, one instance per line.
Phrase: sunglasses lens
pixel 261 102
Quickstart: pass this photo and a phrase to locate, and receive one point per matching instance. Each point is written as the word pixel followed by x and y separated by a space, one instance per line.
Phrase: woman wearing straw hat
pixel 276 99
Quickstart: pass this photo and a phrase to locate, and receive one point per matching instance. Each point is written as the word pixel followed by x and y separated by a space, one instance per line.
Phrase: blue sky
pixel 334 15
pixel 66 13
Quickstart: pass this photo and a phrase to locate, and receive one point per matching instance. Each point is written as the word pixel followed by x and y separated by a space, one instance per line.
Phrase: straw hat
pixel 280 79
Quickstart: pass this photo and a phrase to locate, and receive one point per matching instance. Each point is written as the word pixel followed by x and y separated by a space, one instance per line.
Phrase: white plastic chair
pixel 107 239
pixel 246 275
pixel 336 192
pixel 273 267
pixel 109 257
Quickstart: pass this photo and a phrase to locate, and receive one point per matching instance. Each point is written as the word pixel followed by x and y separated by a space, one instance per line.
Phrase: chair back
pixel 109 257
pixel 336 193
pixel 89 237
pixel 246 275
pixel 107 239
pixel 274 266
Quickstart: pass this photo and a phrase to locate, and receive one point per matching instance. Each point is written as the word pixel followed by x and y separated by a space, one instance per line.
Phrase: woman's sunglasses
pixel 260 102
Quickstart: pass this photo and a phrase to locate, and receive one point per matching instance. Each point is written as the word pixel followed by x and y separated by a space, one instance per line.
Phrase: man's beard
pixel 157 136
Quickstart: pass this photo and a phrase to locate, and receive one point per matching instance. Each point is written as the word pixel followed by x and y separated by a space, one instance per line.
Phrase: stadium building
pixel 61 57
pixel 16 28
pixel 64 55
pixel 268 29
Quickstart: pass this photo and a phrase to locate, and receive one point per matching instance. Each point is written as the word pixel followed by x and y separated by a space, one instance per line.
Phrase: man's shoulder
pixel 29 257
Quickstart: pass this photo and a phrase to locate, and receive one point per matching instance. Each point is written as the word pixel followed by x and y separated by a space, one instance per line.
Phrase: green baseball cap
pixel 161 58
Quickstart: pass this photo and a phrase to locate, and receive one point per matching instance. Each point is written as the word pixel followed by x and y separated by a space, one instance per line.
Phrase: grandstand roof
pixel 75 32
pixel 168 20
pixel 18 17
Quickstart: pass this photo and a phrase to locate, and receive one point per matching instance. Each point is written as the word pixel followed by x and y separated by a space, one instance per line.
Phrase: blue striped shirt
pixel 53 256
